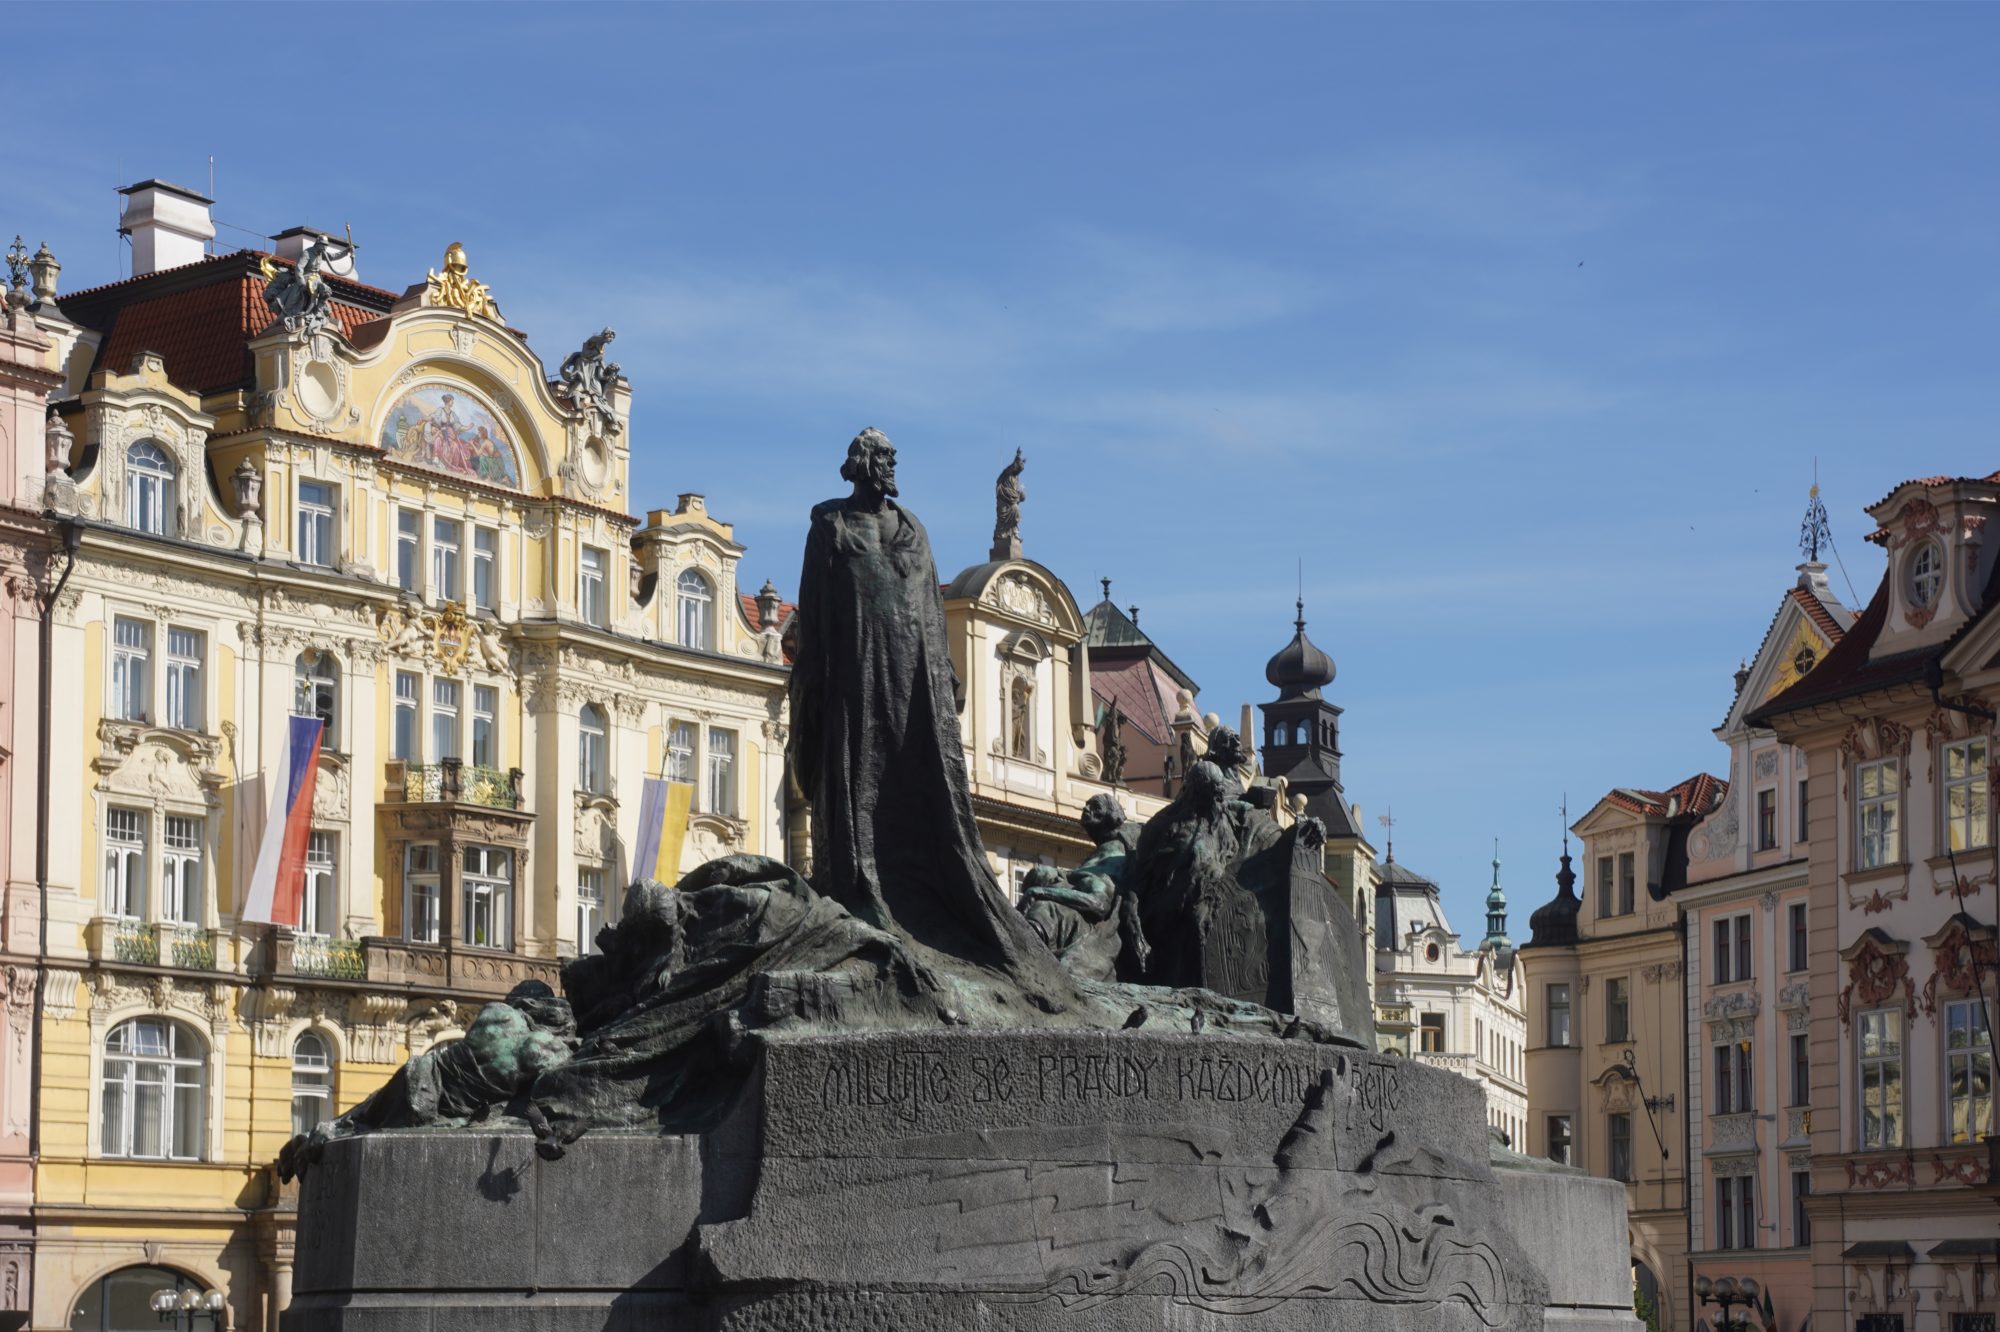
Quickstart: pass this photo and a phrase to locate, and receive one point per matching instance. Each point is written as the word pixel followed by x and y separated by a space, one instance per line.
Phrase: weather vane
pixel 1388 822
pixel 1814 531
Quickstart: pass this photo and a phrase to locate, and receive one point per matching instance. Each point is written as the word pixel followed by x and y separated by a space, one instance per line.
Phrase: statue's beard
pixel 885 484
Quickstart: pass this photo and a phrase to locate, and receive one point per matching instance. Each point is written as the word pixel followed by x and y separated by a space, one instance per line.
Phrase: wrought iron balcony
pixel 148 943
pixel 453 782
pixel 320 955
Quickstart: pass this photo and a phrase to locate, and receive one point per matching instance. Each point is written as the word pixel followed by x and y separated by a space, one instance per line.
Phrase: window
pixel 1430 1033
pixel 1970 1322
pixel 590 586
pixel 1735 1212
pixel 317 907
pixel 125 864
pixel 1558 996
pixel 1795 920
pixel 1627 883
pixel 1926 574
pixel 693 600
pixel 1767 819
pixel 180 876
pixel 1801 1070
pixel 316 690
pixel 1618 1133
pixel 121 1301
pixel 1967 813
pixel 131 669
pixel 444 719
pixel 1801 1223
pixel 1732 949
pixel 589 909
pixel 1725 1079
pixel 420 893
pixel 1606 887
pixel 1803 821
pixel 1880 1323
pixel 486 881
pixel 149 489
pixel 184 658
pixel 312 1082
pixel 721 771
pixel 680 753
pixel 409 530
pixel 590 743
pixel 153 1082
pixel 1968 1070
pixel 1881 1059
pixel 1559 1141
pixel 486 726
pixel 403 740
pixel 316 524
pixel 1877 793
pixel 445 539
pixel 485 556
pixel 1617 1009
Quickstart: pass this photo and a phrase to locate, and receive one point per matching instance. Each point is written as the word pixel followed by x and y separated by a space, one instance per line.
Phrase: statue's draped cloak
pixel 876 746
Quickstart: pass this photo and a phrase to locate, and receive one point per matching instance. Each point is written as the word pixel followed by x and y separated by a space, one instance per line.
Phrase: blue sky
pixel 1521 327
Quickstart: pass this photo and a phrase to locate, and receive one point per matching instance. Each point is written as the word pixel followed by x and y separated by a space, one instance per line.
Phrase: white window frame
pixel 721 768
pixel 1878 803
pixel 123 892
pixel 314 683
pixel 486 893
pixel 447 557
pixel 183 887
pixel 406 729
pixel 485 592
pixel 423 889
pixel 447 736
pixel 681 758
pixel 1925 581
pixel 131 669
pixel 187 653
pixel 1607 887
pixel 694 604
pixel 593 746
pixel 151 485
pixel 486 726
pixel 409 538
pixel 593 565
pixel 312 1081
pixel 1566 1007
pixel 589 908
pixel 1965 796
pixel 125 1072
pixel 1620 986
pixel 319 903
pixel 1888 1068
pixel 316 515
pixel 1732 948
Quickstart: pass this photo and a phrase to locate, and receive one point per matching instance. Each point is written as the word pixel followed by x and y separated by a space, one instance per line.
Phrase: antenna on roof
pixel 211 194
pixel 1565 818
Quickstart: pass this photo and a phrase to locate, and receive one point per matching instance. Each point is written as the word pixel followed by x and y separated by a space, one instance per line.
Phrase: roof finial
pixel 1388 821
pixel 1565 816
pixel 1814 531
pixel 1496 862
pixel 1107 587
pixel 1133 610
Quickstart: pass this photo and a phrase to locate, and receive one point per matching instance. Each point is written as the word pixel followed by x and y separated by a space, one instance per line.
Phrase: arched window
pixel 316 691
pixel 155 1082
pixel 1926 574
pixel 693 599
pixel 312 1082
pixel 123 1300
pixel 149 489
pixel 591 733
pixel 1303 735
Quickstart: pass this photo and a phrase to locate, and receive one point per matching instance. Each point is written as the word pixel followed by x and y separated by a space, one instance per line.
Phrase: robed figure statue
pixel 875 740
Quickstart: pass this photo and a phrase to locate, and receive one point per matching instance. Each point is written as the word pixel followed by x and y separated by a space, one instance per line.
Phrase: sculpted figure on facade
pixel 457 288
pixel 297 296
pixel 586 378
pixel 1007 497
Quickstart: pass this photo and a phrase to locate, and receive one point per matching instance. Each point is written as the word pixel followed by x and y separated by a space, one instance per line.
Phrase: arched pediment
pixel 439 421
pixel 1023 591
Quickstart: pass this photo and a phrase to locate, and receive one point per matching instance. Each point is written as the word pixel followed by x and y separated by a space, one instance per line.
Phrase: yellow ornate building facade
pixel 292 493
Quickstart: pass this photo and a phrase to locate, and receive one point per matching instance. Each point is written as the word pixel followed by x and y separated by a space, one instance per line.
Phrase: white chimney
pixel 168 224
pixel 292 245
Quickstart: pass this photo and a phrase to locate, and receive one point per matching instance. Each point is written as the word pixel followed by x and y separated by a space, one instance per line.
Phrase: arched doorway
pixel 1646 1292
pixel 123 1300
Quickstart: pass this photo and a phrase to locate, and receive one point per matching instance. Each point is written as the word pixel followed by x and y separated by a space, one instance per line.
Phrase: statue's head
pixel 871 462
pixel 1225 748
pixel 1102 816
pixel 454 258
pixel 1042 876
pixel 1205 786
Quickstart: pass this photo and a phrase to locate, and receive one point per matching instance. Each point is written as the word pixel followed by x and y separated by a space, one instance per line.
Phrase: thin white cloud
pixel 1474 191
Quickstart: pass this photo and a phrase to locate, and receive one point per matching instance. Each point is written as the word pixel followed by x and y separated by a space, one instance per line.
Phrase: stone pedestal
pixel 990 1180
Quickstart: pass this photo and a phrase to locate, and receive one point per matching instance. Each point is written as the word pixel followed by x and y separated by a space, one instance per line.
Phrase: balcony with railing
pixel 1462 1064
pixel 452 782
pixel 150 943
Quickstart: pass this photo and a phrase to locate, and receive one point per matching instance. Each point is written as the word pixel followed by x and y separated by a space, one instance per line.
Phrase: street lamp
pixel 1728 1292
pixel 190 1303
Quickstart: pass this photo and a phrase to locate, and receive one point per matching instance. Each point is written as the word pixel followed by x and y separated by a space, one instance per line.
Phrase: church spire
pixel 1496 908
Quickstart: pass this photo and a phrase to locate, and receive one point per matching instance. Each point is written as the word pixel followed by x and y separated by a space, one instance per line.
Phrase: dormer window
pixel 693 598
pixel 1926 575
pixel 149 488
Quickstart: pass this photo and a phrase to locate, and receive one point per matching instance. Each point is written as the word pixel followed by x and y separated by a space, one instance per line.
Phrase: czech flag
pixel 278 882
pixel 663 822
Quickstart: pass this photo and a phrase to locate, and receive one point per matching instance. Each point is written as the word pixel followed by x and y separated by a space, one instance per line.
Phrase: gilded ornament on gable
pixel 457 288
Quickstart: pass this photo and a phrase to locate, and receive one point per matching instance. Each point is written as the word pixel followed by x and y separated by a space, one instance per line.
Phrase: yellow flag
pixel 673 832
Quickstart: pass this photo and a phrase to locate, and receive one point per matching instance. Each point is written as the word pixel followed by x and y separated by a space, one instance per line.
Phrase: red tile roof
pixel 1881 534
pixel 1142 692
pixel 1817 612
pixel 748 603
pixel 1697 795
pixel 200 319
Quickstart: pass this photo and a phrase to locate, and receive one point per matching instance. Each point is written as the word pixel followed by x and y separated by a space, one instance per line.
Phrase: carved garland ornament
pixel 1876 967
pixel 1871 739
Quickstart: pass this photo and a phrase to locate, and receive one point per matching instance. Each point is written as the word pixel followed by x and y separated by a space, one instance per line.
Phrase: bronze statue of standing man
pixel 875 738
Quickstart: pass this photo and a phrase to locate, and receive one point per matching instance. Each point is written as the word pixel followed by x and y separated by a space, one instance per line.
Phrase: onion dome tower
pixel 1554 923
pixel 1302 730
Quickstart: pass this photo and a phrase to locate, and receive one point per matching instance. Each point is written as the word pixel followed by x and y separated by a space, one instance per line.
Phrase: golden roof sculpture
pixel 457 288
